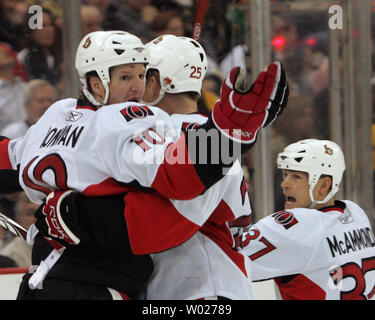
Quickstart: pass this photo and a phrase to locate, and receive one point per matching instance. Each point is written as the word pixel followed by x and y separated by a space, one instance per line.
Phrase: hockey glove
pixel 57 219
pixel 238 227
pixel 242 111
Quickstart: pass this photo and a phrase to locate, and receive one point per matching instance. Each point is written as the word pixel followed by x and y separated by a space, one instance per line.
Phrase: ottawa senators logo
pixel 87 43
pixel 328 151
pixel 136 112
pixel 158 40
pixel 285 218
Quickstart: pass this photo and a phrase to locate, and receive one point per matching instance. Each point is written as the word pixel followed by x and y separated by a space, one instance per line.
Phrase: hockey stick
pixel 40 273
pixel 198 24
pixel 12 226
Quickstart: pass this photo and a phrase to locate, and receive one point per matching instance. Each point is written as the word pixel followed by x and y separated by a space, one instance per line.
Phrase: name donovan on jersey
pixel 351 240
pixel 67 136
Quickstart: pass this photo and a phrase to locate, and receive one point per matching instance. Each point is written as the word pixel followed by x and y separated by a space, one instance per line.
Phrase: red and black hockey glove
pixel 57 219
pixel 242 111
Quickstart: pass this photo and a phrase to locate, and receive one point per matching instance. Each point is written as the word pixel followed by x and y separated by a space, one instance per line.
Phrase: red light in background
pixel 311 41
pixel 278 42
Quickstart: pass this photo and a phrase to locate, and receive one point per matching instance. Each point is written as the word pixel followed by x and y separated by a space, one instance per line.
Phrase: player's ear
pixel 325 184
pixel 152 87
pixel 97 88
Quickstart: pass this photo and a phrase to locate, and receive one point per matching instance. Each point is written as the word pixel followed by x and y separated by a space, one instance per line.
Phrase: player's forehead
pixel 130 67
pixel 288 171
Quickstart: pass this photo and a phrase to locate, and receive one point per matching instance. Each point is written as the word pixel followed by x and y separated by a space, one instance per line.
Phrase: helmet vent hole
pixel 298 159
pixel 202 56
pixel 115 42
pixel 283 157
pixel 195 44
pixel 119 51
pixel 303 151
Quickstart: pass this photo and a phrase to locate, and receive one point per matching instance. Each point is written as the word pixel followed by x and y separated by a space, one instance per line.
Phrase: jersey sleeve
pixel 143 150
pixel 9 182
pixel 282 244
pixel 156 223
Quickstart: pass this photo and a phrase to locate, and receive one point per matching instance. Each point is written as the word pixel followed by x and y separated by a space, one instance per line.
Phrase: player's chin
pixel 289 205
pixel 135 99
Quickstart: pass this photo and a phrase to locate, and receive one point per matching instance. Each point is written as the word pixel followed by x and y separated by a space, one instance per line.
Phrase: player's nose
pixel 284 183
pixel 138 85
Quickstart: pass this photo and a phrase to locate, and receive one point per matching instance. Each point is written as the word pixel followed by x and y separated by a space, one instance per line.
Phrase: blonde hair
pixel 32 86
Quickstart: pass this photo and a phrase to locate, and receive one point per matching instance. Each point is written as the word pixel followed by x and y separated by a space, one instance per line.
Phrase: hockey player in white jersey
pixel 86 147
pixel 199 267
pixel 318 248
pixel 109 150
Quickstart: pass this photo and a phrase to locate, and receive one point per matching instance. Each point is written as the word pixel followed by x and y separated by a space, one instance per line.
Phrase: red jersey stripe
pixel 4 158
pixel 107 187
pixel 154 224
pixel 86 107
pixel 217 230
pixel 176 177
pixel 300 288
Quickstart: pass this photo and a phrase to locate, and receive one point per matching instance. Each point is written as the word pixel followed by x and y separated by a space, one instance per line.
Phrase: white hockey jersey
pixel 107 152
pixel 315 254
pixel 206 264
pixel 102 152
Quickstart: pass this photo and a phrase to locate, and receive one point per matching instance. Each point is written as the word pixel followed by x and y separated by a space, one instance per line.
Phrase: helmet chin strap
pixel 325 200
pixel 312 205
pixel 91 98
pixel 105 84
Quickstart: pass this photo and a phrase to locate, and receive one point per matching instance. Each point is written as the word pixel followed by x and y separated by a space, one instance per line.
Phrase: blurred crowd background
pixel 31 69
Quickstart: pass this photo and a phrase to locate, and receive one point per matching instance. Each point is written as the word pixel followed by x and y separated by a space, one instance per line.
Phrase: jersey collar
pixel 83 103
pixel 338 206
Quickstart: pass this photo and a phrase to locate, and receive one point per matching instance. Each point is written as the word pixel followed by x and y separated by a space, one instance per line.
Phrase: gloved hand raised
pixel 242 110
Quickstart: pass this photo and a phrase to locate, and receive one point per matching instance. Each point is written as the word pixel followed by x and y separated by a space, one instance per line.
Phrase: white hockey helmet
pixel 181 62
pixel 316 157
pixel 100 50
